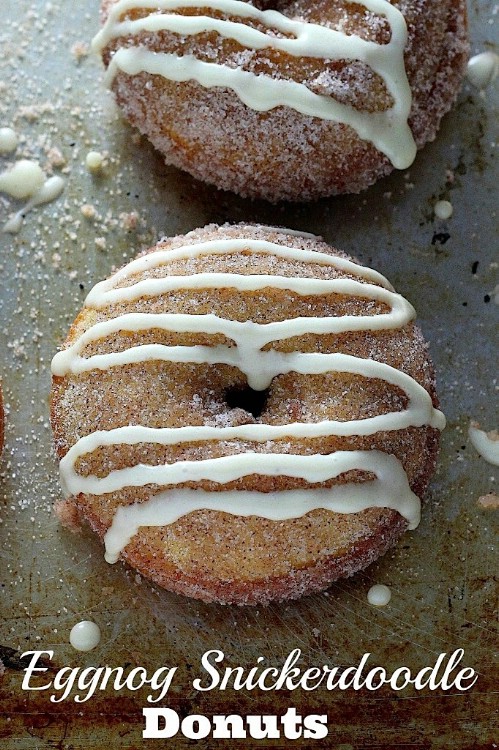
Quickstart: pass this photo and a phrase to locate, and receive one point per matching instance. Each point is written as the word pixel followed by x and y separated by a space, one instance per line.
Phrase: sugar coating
pixel 220 556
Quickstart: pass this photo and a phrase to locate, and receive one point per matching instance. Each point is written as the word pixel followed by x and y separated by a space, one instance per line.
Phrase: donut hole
pixel 247 399
pixel 269 4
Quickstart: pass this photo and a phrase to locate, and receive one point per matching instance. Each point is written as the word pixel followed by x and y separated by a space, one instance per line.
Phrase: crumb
pixel 489 501
pixel 79 50
pixel 55 158
pixel 67 515
pixel 129 221
pixel 32 112
pixel 88 211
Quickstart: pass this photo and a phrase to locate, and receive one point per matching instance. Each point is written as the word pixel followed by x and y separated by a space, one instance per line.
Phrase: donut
pixel 245 414
pixel 286 101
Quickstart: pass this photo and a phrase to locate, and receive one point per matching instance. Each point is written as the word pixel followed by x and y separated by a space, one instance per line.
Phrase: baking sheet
pixel 442 576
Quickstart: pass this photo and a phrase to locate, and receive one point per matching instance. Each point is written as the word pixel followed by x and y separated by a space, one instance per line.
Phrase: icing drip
pixel 389 489
pixel 486 443
pixel 387 130
pixel 483 69
pixel 48 192
pixel 26 179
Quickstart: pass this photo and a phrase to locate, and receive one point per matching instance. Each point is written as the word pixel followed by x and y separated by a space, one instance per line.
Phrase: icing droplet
pixel 443 210
pixel 8 140
pixel 486 443
pixel 49 191
pixel 483 69
pixel 14 224
pixel 379 595
pixel 22 180
pixel 94 161
pixel 85 635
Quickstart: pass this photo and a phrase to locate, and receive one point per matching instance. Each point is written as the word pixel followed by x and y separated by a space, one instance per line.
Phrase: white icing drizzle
pixel 26 179
pixel 225 247
pixel 486 443
pixel 251 283
pixel 389 489
pixel 388 130
pixel 291 232
pixel 258 366
pixel 49 191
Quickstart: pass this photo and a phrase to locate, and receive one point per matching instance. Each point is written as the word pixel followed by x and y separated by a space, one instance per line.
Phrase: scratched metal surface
pixel 441 576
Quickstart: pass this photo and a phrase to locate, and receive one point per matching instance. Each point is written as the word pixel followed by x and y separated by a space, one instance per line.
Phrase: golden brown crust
pixel 281 154
pixel 217 556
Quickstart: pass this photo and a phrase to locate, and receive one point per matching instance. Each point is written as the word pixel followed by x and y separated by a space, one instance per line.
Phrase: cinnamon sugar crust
pixel 218 556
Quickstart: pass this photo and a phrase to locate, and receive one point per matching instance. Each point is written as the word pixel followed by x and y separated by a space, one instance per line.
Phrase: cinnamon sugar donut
pixel 245 414
pixel 292 100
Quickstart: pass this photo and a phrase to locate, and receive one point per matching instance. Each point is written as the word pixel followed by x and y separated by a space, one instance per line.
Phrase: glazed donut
pixel 287 101
pixel 245 414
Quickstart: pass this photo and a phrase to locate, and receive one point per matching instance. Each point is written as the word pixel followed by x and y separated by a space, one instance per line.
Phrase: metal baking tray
pixel 442 576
